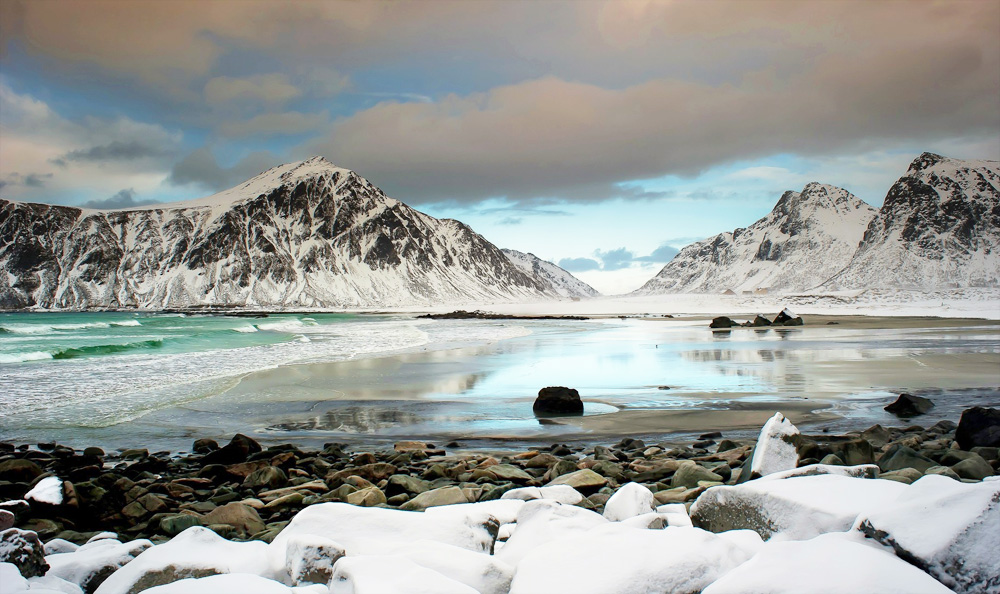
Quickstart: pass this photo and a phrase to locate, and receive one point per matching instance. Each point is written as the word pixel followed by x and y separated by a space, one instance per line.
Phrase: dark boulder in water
pixel 558 400
pixel 908 405
pixel 722 322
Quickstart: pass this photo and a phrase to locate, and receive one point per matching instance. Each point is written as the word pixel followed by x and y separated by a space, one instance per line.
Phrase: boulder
pixel 436 497
pixel 585 481
pixel 760 321
pixel 978 427
pixel 689 474
pixel 6 520
pixel 509 472
pixel 974 468
pixel 369 574
pixel 19 470
pixel 269 477
pixel 309 558
pixel 231 583
pixel 796 507
pixel 898 457
pixel 204 446
pixel 908 405
pixel 24 550
pixel 947 528
pixel 91 564
pixel 632 499
pixel 367 497
pixel 541 521
pixel 776 449
pixel 561 493
pixel 404 483
pixel 374 473
pixel 237 450
pixel 240 516
pixel 722 322
pixel 786 316
pixel 558 400
pixel 794 567
pixel 174 524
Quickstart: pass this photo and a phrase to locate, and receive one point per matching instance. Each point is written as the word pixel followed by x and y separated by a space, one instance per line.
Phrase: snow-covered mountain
pixel 562 282
pixel 939 227
pixel 807 237
pixel 306 234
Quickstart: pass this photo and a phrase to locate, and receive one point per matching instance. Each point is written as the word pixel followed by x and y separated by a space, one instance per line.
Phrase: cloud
pixel 579 264
pixel 113 151
pixel 200 168
pixel 275 124
pixel 30 180
pixel 510 221
pixel 660 255
pixel 266 88
pixel 615 259
pixel 122 199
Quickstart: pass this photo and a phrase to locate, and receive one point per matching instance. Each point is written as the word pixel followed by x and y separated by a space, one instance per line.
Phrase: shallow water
pixel 332 377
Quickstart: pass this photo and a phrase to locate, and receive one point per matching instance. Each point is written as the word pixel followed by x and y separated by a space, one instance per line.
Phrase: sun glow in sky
pixel 600 135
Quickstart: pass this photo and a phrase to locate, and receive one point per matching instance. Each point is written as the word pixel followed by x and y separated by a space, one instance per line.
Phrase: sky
pixel 603 136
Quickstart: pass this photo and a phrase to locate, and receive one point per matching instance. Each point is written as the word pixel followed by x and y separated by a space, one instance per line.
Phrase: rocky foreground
pixel 885 510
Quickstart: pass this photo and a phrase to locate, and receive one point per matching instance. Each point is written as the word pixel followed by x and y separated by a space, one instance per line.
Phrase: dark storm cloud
pixel 200 168
pixel 122 199
pixel 113 151
pixel 30 180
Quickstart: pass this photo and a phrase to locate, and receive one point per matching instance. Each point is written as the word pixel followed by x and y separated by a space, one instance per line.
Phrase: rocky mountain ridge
pixel 564 283
pixel 306 234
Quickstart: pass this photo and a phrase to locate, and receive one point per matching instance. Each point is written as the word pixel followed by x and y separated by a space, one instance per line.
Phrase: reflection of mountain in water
pixel 352 419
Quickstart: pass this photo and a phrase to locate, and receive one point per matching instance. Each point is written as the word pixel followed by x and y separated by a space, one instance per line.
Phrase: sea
pixel 159 380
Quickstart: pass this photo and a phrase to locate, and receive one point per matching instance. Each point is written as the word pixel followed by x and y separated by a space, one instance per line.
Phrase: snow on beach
pixel 815 528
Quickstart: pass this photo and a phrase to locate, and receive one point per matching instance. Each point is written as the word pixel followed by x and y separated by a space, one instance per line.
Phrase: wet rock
pixel 722 322
pixel 558 400
pixel 978 426
pixel 908 405
pixel 204 446
pixel 898 457
pixel 436 497
pixel 24 550
pixel 269 477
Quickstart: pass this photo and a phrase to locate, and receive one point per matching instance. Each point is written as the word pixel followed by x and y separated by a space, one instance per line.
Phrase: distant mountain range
pixel 306 234
pixel 939 227
pixel 564 283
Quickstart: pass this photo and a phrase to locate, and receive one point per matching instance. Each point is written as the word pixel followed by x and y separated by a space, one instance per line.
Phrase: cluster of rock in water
pixel 785 318
pixel 632 517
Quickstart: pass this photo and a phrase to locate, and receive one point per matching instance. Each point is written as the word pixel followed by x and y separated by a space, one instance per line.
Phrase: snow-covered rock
pixel 776 448
pixel 561 281
pixel 614 558
pixel 808 237
pixel 380 574
pixel 89 565
pixel 197 552
pixel 939 227
pixel 796 508
pixel 49 490
pixel 306 234
pixel 234 582
pixel 52 585
pixel 561 493
pixel 947 528
pixel 540 521
pixel 309 558
pixel 24 550
pixel 631 499
pixel 482 572
pixel 839 563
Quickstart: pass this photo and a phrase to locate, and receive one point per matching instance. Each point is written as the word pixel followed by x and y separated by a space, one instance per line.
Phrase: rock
pixel 19 470
pixel 903 475
pixel 908 405
pixel 857 451
pixel 509 472
pixel 787 568
pixel 797 507
pixel 974 468
pixel 174 524
pixel 236 451
pixel 368 574
pixel 24 550
pixel 978 426
pixel 404 483
pixel 436 497
pixel 949 529
pixel 722 322
pixel 562 493
pixel 12 579
pixel 585 481
pixel 243 518
pixel 269 477
pixel 943 471
pixel 558 400
pixel 877 435
pixel 309 558
pixel 899 456
pixel 94 452
pixel 632 499
pixel 689 474
pixel 374 473
pixel 786 316
pixel 831 459
pixel 90 565
pixel 367 497
pixel 776 448
pixel 6 520
pixel 760 321
pixel 204 446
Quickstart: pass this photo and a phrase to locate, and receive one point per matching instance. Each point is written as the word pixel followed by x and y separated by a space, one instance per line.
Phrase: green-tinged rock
pixel 367 497
pixel 135 453
pixel 943 471
pixel 903 475
pixel 436 497
pixel 951 457
pixel 269 477
pixel 558 469
pixel 898 457
pixel 832 460
pixel 689 474
pixel 877 435
pixel 175 524
pixel 292 499
pixel 134 511
pixel 152 503
pixel 857 452
pixel 677 495
pixel 586 481
pixel 509 472
pixel 973 468
pixel 242 517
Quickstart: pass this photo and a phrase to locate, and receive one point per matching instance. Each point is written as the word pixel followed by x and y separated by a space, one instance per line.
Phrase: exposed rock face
pixel 807 237
pixel 939 227
pixel 303 234
pixel 562 282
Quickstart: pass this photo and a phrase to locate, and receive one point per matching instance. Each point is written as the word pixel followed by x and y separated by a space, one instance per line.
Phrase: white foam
pixel 246 329
pixel 23 357
pixel 127 323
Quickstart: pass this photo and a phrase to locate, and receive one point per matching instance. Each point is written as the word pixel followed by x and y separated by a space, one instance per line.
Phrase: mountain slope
pixel 939 227
pixel 562 282
pixel 303 234
pixel 807 237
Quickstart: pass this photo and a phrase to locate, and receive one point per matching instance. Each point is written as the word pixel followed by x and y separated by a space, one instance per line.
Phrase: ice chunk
pixel 632 499
pixel 947 528
pixel 796 508
pixel 839 563
pixel 615 558
pixel 776 447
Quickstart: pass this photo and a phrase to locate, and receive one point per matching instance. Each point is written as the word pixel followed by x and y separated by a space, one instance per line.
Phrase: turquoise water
pixel 160 380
